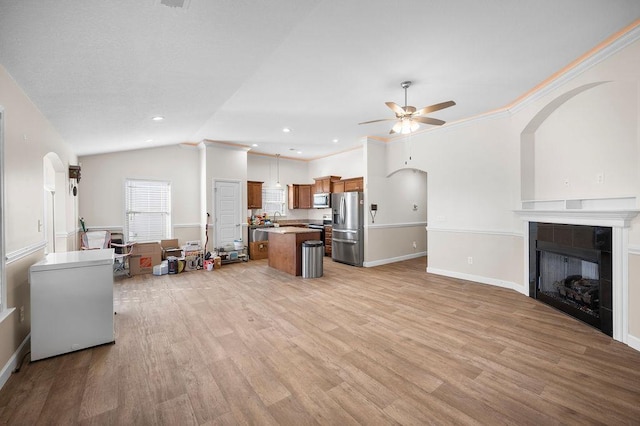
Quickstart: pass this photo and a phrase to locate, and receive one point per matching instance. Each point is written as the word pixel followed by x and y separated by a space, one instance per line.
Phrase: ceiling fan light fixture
pixel 408 126
pixel 407 118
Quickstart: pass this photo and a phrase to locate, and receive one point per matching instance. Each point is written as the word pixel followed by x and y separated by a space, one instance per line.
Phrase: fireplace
pixel 570 269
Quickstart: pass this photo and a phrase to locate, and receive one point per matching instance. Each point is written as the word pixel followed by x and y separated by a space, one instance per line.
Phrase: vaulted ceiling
pixel 239 71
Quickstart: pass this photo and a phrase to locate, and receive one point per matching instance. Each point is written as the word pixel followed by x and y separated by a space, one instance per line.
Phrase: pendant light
pixel 278 185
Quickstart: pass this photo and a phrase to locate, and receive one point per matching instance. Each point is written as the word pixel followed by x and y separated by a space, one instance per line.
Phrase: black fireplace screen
pixel 571 269
pixel 570 280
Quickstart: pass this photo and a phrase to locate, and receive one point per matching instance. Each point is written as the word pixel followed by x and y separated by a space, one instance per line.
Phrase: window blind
pixel 147 210
pixel 273 200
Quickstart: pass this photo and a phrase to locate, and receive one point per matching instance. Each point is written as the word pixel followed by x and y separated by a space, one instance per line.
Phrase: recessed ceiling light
pixel 149 140
pixel 158 118
pixel 299 152
pixel 335 140
pixel 254 145
pixel 292 149
pixel 286 130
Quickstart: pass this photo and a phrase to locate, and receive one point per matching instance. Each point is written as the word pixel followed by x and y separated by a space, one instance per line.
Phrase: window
pixel 147 210
pixel 273 200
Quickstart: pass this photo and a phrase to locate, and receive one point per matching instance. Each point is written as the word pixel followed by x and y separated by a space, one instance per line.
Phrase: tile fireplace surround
pixel 616 213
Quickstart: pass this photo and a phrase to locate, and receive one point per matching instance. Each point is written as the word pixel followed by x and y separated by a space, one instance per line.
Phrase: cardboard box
pixel 194 258
pixel 144 256
pixel 170 248
pixel 217 262
pixel 258 250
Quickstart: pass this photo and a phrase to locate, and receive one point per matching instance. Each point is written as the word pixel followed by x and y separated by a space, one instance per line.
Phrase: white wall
pixel 224 162
pixel 587 136
pixel 398 231
pixel 346 164
pixel 28 137
pixel 101 189
pixel 473 186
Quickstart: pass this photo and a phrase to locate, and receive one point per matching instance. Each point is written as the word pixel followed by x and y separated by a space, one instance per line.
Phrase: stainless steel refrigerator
pixel 347 244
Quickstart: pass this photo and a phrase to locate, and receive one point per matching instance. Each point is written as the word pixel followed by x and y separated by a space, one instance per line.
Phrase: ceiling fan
pixel 408 117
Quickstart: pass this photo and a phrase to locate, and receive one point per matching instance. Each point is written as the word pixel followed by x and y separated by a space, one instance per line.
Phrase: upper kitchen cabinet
pixel 254 195
pixel 323 184
pixel 300 196
pixel 354 185
pixel 348 185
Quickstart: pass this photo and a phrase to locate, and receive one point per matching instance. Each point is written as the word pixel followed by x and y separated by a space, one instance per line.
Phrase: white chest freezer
pixel 71 302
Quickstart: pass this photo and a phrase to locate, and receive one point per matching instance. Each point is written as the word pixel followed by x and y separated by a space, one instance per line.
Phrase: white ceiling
pixel 239 71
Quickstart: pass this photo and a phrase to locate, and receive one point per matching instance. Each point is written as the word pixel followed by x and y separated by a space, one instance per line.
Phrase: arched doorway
pixel 54 200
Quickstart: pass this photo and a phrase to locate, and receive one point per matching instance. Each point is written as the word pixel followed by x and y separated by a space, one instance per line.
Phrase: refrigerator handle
pixel 342 207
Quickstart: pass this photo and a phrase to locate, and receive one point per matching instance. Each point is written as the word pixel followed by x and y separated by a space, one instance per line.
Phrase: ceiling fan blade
pixel 396 108
pixel 375 121
pixel 429 120
pixel 436 107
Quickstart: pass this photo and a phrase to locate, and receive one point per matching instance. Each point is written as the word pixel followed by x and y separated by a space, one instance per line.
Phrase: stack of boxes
pixel 169 258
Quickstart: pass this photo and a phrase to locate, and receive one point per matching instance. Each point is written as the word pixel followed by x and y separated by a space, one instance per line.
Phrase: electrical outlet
pixel 415 207
pixel 600 178
pixel 415 245
pixel 566 182
pixel 470 260
pixel 21 313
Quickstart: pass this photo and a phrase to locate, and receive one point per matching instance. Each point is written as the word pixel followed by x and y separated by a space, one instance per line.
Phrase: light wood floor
pixel 388 345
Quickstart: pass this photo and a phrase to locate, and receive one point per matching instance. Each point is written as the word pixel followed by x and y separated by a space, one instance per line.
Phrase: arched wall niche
pixel 415 169
pixel 528 139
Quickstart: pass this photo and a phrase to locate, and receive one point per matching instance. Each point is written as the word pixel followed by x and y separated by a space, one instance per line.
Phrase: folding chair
pixel 121 257
pixel 95 240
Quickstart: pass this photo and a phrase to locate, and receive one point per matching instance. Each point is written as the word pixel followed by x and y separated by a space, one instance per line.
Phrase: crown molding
pixel 604 50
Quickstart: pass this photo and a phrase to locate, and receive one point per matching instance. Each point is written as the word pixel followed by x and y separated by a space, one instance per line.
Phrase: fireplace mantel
pixel 616 213
pixel 612 218
pixel 613 212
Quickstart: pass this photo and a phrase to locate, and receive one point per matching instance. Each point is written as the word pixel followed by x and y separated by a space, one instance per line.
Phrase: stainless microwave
pixel 321 201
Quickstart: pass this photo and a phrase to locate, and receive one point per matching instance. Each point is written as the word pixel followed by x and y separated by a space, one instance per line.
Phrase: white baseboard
pixel 13 362
pixel 633 342
pixel 479 279
pixel 394 259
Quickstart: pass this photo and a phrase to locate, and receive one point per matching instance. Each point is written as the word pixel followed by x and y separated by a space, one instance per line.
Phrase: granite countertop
pixel 290 230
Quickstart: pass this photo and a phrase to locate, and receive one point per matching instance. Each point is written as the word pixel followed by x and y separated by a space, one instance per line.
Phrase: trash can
pixel 312 254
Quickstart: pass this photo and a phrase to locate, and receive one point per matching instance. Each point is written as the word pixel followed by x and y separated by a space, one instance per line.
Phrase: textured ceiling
pixel 238 71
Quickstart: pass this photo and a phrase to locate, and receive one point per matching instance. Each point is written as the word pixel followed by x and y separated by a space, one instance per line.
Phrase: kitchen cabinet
pixel 300 196
pixel 349 185
pixel 328 236
pixel 285 247
pixel 354 185
pixel 254 195
pixel 323 184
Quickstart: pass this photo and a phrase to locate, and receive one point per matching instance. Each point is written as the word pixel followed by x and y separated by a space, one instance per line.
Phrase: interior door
pixel 227 205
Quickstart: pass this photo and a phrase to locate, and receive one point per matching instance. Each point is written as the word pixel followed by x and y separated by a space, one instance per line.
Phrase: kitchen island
pixel 285 247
